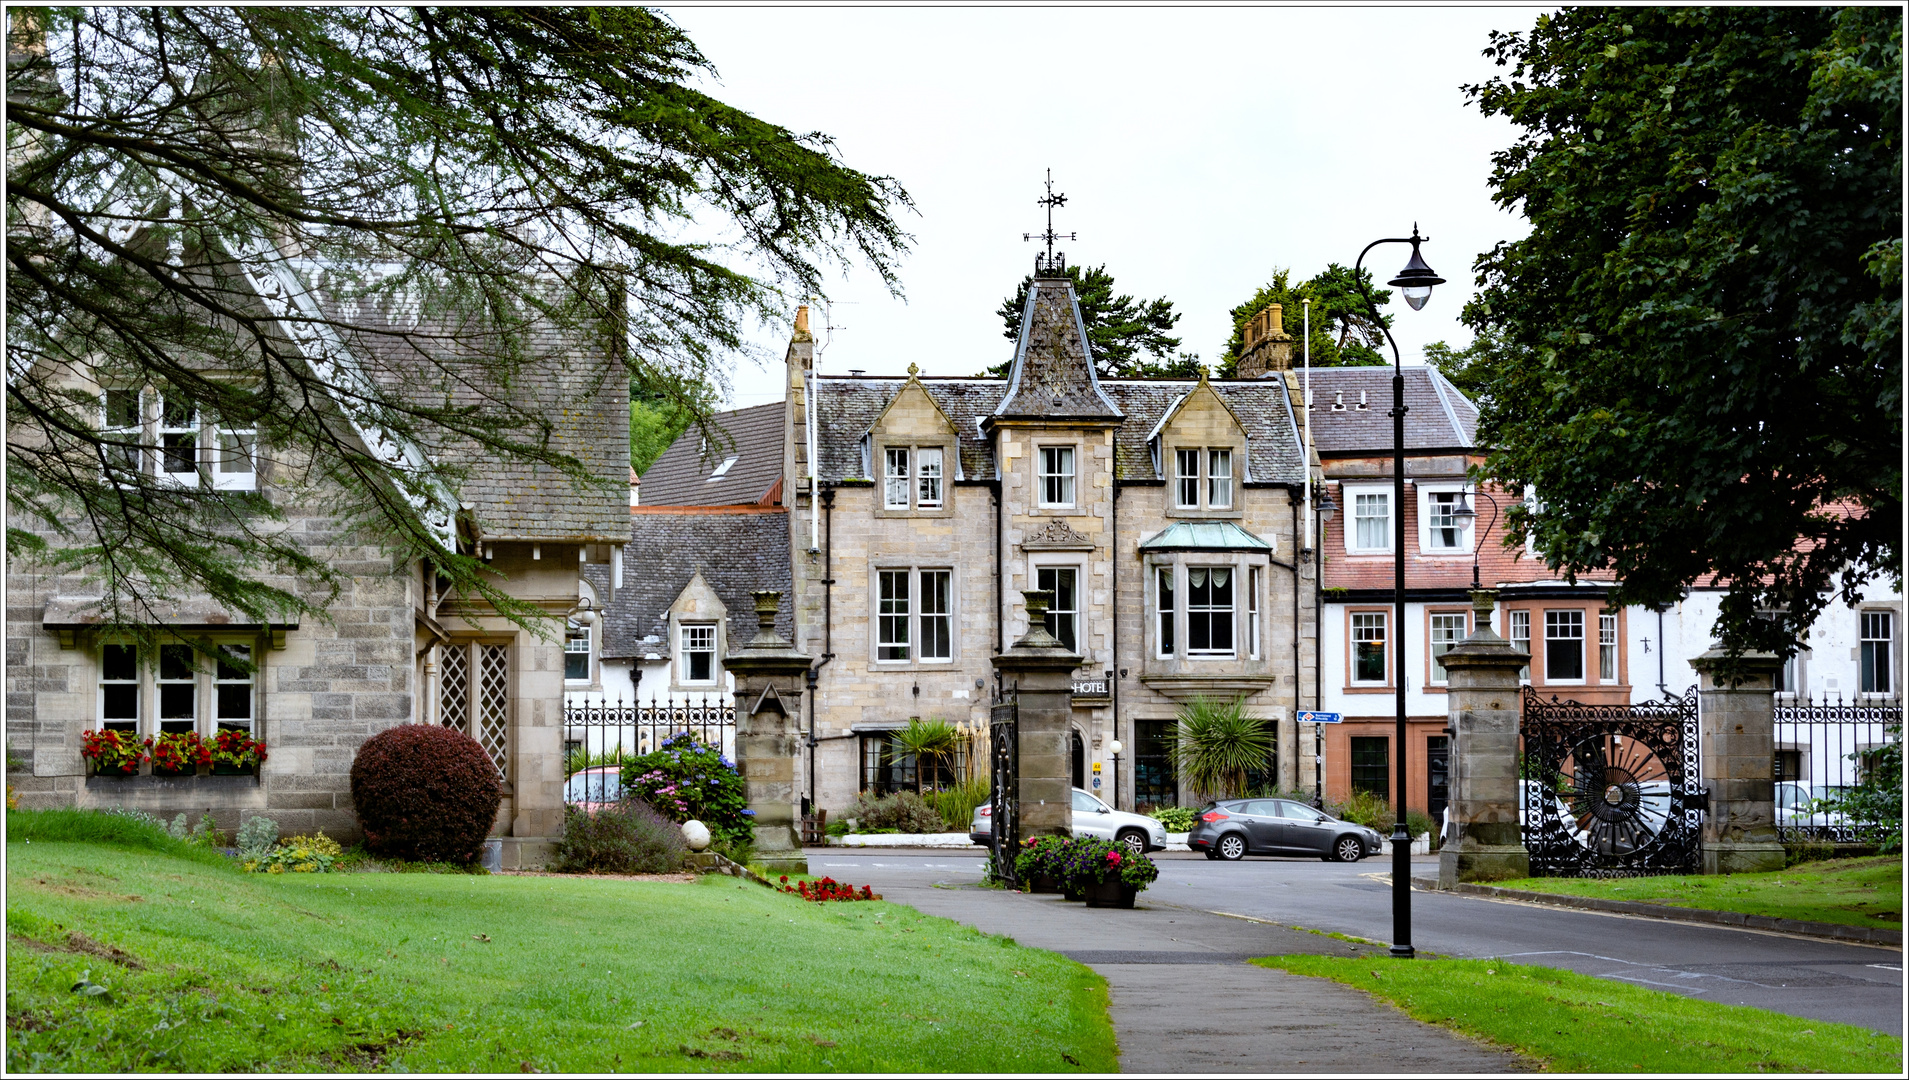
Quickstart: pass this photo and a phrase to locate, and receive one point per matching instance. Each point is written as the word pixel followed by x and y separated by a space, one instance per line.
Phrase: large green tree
pixel 1344 333
pixel 533 172
pixel 1130 338
pixel 1701 371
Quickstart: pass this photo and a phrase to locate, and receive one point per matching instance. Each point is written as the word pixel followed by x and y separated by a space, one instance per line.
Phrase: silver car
pixel 1092 817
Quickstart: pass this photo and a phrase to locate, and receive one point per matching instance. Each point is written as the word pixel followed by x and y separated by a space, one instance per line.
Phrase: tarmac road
pixel 1801 977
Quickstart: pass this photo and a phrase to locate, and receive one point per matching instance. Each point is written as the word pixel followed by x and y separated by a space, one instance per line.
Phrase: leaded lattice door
pixel 475 697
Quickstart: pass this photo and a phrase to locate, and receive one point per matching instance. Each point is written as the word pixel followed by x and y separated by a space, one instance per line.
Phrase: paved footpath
pixel 1185 1000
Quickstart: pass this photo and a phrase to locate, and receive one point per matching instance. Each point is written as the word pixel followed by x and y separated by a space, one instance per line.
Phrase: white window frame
pixel 206 683
pixel 1564 621
pixel 1252 612
pixel 889 617
pixel 1166 609
pixel 685 631
pixel 213 445
pixel 1438 676
pixel 1075 625
pixel 895 477
pixel 929 473
pixel 1056 466
pixel 1519 634
pixel 138 684
pixel 901 624
pixel 237 680
pixel 1210 610
pixel 1186 484
pixel 1533 506
pixel 1884 648
pixel 1219 483
pixel 925 618
pixel 135 457
pixel 1360 624
pixel 1351 494
pixel 574 631
pixel 1428 496
pixel 190 433
pixel 1607 650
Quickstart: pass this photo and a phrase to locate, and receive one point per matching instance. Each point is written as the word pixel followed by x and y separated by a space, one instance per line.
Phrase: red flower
pixel 1113 858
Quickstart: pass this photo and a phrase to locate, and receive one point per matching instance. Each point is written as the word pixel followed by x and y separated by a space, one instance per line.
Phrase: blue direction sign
pixel 1319 717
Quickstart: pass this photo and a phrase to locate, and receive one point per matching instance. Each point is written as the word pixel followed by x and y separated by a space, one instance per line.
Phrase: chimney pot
pixel 802 319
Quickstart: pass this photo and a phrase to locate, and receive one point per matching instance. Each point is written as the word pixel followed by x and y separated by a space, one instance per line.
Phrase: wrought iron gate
pixel 1611 790
pixel 1004 773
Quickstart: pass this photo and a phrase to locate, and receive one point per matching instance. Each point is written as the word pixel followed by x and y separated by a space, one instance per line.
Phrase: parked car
pixel 594 788
pixel 1092 817
pixel 1237 828
pixel 1793 801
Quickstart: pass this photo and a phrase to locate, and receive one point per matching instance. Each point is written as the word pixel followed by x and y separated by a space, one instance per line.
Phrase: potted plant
pixel 235 752
pixel 1037 864
pixel 179 754
pixel 1106 874
pixel 113 753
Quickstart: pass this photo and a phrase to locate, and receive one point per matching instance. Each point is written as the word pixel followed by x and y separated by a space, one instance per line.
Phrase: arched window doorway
pixel 1080 760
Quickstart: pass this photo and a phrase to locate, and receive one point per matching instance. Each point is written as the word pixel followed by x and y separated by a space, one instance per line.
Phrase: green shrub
pixel 426 793
pixel 1218 743
pixel 627 837
pixel 1364 808
pixel 257 835
pixel 685 780
pixel 1176 818
pixel 298 855
pixel 956 804
pixel 838 827
pixel 903 811
pixel 1418 824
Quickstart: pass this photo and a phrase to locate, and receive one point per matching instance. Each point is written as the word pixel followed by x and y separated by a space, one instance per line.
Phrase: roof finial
pixel 1050 264
pixel 913 370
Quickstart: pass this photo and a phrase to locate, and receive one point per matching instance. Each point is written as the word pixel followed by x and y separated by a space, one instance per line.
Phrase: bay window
pixel 1564 646
pixel 1209 609
pixel 1521 640
pixel 1165 612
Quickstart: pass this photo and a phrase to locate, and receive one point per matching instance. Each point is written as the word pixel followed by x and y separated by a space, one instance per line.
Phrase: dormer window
pixel 1187 477
pixel 1219 479
pixel 1206 472
pixel 166 432
pixel 1057 476
pixel 915 472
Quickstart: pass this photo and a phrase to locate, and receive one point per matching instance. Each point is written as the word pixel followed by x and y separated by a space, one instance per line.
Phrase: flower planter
pixel 94 768
pixel 174 774
pixel 222 769
pixel 1069 893
pixel 1043 883
pixel 1110 894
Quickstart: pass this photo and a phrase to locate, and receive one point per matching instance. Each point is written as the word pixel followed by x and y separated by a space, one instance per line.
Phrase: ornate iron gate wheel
pixel 1610 790
pixel 1004 773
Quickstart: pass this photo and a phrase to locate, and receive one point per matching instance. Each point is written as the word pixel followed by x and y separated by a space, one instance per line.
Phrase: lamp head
pixel 1464 511
pixel 1115 747
pixel 586 615
pixel 1416 280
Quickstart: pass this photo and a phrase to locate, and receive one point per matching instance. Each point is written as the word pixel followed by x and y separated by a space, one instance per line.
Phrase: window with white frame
pixel 235 461
pixel 937 614
pixel 179 438
pixel 928 477
pixel 1057 475
pixel 1368 648
pixel 895 478
pixel 232 689
pixel 1063 610
pixel 1441 528
pixel 576 652
pixel 1607 647
pixel 1521 640
pixel 1564 646
pixel 696 653
pixel 1447 629
pixel 1876 652
pixel 119 688
pixel 892 615
pixel 1165 610
pixel 1186 478
pixel 193 694
pixel 1219 479
pixel 178 689
pixel 1252 612
pixel 125 429
pixel 176 440
pixel 1209 610
pixel 1371 520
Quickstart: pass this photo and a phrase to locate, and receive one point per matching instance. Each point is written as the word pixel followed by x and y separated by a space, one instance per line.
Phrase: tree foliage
pixel 1470 368
pixel 515 174
pixel 1701 364
pixel 1129 338
pixel 1343 332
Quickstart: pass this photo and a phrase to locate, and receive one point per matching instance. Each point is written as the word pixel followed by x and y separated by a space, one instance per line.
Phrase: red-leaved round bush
pixel 425 793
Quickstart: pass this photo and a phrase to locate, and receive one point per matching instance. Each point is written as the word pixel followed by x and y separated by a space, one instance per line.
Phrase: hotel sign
pixel 1097 690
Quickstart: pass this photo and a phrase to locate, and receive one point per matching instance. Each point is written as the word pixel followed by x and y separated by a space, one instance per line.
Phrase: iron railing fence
pixel 1823 749
pixel 600 735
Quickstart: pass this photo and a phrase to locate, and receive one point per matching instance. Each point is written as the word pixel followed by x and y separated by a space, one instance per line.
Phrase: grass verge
pixel 1849 892
pixel 125 958
pixel 1577 1023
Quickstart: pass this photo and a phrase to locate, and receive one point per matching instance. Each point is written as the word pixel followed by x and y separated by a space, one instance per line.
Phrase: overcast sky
pixel 1198 150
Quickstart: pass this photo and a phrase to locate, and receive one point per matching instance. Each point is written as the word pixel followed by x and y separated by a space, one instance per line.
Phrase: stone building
pixel 1164 515
pixel 391 649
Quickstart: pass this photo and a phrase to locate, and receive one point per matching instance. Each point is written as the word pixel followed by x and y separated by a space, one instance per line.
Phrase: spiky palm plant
pixel 1219 742
pixel 927 741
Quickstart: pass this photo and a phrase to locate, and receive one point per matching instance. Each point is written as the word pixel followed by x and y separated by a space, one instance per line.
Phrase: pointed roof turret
pixel 1053 371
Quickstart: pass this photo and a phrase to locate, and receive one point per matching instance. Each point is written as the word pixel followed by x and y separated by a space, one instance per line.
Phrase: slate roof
pixel 682 475
pixel 1437 416
pixel 846 408
pixel 574 386
pixel 737 550
pixel 1051 374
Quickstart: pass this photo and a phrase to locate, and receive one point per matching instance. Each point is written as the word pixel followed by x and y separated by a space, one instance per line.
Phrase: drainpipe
pixel 1000 624
pixel 1318 662
pixel 1298 686
pixel 1113 569
pixel 1662 690
pixel 828 622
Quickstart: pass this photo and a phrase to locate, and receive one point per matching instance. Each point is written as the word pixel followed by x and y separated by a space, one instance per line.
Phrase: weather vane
pixel 1050 263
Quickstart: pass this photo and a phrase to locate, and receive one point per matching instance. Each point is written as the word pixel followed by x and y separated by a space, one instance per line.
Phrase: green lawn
pixel 1577 1023
pixel 208 969
pixel 1853 892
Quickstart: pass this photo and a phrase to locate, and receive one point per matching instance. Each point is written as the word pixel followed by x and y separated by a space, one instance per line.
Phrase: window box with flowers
pixel 110 752
pixel 236 753
pixel 179 754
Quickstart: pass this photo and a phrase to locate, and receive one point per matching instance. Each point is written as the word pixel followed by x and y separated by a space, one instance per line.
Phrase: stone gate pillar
pixel 1041 669
pixel 1483 700
pixel 769 678
pixel 1737 718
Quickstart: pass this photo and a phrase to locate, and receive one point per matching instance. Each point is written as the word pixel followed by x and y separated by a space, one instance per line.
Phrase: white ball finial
pixel 696 834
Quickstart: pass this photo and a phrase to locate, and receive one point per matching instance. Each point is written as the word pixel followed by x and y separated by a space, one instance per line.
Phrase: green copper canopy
pixel 1204 536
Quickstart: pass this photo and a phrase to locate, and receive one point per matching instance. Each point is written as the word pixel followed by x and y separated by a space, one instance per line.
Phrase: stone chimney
pixel 1268 347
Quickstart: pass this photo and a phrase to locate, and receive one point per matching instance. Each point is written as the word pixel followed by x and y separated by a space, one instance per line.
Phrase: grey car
pixel 1092 817
pixel 1237 828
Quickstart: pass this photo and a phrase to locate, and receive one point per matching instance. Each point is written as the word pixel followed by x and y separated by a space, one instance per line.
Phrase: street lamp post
pixel 1415 284
pixel 1465 512
pixel 1115 747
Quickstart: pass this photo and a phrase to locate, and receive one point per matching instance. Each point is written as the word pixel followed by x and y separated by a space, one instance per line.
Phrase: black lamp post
pixel 1415 283
pixel 1464 512
pixel 1327 508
